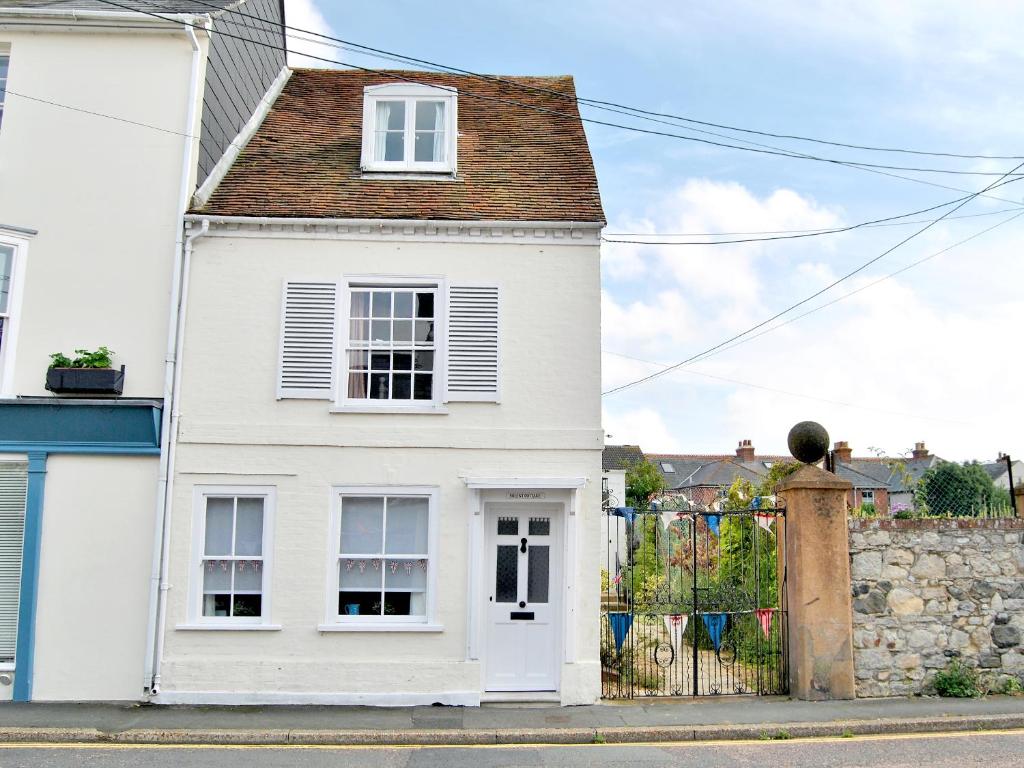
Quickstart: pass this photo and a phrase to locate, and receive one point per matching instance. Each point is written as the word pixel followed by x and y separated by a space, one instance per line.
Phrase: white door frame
pixel 525 489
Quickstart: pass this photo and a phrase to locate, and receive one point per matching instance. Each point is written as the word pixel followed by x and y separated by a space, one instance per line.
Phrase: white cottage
pixel 387 468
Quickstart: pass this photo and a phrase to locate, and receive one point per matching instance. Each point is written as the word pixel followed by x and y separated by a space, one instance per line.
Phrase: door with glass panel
pixel 522 592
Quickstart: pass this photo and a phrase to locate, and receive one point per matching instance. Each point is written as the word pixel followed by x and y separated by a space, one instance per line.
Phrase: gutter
pixel 438 223
pixel 158 578
pixel 87 15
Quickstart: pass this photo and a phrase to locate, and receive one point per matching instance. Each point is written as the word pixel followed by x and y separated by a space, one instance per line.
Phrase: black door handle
pixel 522 603
pixel 522 547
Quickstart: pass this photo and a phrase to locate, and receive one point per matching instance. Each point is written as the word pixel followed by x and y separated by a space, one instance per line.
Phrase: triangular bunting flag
pixel 764 618
pixel 620 622
pixel 676 626
pixel 764 520
pixel 627 512
pixel 715 623
pixel 713 522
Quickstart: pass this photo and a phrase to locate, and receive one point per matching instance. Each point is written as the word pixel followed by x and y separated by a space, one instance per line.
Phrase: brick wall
pixel 927 591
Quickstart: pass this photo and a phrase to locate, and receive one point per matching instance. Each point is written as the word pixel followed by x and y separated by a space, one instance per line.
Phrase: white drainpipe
pixel 158 579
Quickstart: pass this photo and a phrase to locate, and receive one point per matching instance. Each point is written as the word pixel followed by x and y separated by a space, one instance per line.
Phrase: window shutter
pixel 473 343
pixel 307 340
pixel 13 488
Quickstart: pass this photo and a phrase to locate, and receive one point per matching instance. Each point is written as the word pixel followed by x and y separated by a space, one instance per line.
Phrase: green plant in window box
pixel 84 358
pixel 90 372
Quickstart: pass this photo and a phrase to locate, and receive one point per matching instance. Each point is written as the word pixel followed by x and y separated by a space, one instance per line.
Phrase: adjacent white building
pixel 109 119
pixel 387 473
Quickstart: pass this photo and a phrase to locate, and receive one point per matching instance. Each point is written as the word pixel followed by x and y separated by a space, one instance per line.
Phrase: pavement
pixel 638 721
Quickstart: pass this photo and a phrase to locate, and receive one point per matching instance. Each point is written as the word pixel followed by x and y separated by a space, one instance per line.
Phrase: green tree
pixel 643 483
pixel 958 490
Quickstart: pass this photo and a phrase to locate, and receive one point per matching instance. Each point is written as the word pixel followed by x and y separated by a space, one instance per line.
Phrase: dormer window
pixel 410 128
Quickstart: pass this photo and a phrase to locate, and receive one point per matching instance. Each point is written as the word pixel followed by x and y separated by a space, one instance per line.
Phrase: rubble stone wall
pixel 928 591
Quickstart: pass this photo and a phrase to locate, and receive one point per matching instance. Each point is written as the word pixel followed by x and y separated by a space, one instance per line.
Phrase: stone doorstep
pixel 426 737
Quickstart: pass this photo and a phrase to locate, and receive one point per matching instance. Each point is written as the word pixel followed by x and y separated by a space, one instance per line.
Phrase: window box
pixel 86 381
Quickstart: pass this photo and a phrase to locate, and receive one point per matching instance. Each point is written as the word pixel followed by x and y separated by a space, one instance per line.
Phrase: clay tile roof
pixel 515 163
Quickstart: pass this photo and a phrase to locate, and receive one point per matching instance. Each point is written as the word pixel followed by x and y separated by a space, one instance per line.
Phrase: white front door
pixel 522 594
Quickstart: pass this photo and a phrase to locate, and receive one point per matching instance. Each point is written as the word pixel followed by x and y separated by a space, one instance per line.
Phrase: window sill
pixel 438 410
pixel 229 627
pixel 353 627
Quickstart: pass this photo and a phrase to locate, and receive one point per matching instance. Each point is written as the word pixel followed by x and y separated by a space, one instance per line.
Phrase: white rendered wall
pixel 94 577
pixel 234 431
pixel 102 194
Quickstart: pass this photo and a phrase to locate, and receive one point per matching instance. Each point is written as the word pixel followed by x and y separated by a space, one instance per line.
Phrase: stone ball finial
pixel 808 442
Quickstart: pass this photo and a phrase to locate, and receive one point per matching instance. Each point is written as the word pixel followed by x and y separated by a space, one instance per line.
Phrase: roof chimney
pixel 745 451
pixel 920 452
pixel 843 451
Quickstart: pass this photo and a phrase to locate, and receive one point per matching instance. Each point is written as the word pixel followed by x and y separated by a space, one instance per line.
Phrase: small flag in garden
pixel 620 622
pixel 764 618
pixel 764 520
pixel 617 579
pixel 713 522
pixel 715 623
pixel 627 512
pixel 676 626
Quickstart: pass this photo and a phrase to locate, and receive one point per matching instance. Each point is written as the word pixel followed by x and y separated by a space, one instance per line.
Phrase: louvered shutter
pixel 473 354
pixel 13 487
pixel 307 340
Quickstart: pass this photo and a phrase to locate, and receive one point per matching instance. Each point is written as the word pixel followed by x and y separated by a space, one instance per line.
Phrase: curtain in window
pixel 381 137
pixel 439 132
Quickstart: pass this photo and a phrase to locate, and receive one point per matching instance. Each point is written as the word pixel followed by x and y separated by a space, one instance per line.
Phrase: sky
pixel 934 354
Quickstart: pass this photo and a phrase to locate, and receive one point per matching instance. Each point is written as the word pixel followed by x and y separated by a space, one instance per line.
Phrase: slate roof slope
pixel 620 456
pixel 515 162
pixel 152 6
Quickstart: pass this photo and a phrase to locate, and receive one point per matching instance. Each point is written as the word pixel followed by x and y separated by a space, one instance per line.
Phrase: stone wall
pixel 927 591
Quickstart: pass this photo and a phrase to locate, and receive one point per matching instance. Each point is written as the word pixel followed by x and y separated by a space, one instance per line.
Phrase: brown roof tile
pixel 515 162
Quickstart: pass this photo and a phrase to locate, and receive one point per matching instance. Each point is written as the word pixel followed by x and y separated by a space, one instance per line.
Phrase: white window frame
pixel 12 317
pixel 196 619
pixel 867 496
pixel 336 622
pixel 345 404
pixel 409 93
pixel 667 468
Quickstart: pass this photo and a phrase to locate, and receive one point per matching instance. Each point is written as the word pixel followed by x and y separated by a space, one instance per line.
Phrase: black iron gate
pixel 693 601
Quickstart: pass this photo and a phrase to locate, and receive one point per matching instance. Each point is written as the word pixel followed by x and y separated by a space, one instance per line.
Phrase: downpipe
pixel 158 576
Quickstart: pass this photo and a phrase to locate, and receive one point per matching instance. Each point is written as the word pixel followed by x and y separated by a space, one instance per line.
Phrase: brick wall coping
pixel 937 524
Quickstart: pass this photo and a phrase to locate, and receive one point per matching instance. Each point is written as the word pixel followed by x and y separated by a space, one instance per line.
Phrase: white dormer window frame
pixel 388 127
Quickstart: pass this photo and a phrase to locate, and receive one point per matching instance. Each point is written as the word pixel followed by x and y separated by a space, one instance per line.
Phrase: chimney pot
pixel 921 451
pixel 843 451
pixel 745 451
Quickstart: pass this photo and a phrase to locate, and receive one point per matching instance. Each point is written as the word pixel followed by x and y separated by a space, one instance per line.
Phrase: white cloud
pixel 304 15
pixel 643 427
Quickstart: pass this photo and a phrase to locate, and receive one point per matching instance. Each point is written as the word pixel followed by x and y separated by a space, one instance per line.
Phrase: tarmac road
pixel 1004 749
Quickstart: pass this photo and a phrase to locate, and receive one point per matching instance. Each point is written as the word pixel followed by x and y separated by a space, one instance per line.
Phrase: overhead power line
pixel 864 287
pixel 822 230
pixel 556 113
pixel 807 299
pixel 796 236
pixel 355 47
pixel 801 395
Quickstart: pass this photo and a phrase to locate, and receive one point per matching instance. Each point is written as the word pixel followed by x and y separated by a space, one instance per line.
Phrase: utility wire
pixel 805 300
pixel 381 53
pixel 800 231
pixel 801 395
pixel 556 113
pixel 812 233
pixel 872 284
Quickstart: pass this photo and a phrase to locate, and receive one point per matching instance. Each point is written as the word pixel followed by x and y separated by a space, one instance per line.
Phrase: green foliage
pixel 864 511
pixel 643 483
pixel 958 490
pixel 1012 687
pixel 599 738
pixel 84 358
pixel 958 681
pixel 781 735
pixel 846 734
